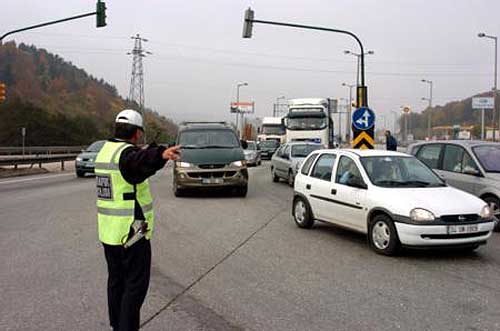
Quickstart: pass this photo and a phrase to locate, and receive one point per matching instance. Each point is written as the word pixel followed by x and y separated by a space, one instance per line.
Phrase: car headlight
pixel 421 215
pixel 486 212
pixel 181 164
pixel 238 163
pixel 79 159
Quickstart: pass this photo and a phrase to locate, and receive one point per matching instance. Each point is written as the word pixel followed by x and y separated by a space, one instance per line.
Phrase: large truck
pixel 311 120
pixel 272 128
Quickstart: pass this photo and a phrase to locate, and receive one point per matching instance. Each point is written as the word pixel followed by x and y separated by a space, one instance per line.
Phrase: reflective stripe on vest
pixel 114 213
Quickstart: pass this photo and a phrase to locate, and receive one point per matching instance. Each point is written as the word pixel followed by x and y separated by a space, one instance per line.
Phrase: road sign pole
pixel 482 123
pixel 23 134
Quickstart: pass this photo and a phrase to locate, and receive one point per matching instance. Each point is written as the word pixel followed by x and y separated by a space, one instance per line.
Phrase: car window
pixel 488 156
pixel 347 170
pixel 324 167
pixel 96 146
pixel 303 150
pixel 429 154
pixel 307 164
pixel 286 152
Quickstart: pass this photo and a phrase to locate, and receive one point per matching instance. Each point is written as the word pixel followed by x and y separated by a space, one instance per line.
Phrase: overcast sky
pixel 199 54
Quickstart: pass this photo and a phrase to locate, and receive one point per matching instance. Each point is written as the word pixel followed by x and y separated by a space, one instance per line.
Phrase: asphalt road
pixel 224 263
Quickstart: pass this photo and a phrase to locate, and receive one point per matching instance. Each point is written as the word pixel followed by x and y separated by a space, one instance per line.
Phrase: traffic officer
pixel 124 200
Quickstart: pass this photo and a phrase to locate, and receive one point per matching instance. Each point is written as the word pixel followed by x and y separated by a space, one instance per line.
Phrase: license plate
pixel 459 229
pixel 212 181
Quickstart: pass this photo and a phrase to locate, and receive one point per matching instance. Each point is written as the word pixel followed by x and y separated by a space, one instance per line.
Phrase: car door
pixel 459 169
pixel 349 200
pixel 276 159
pixel 318 187
pixel 284 162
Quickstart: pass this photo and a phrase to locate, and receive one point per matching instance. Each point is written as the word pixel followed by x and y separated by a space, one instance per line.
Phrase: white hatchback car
pixel 392 197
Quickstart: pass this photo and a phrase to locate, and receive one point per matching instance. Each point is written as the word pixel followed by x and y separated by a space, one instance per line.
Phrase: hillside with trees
pixel 452 113
pixel 59 103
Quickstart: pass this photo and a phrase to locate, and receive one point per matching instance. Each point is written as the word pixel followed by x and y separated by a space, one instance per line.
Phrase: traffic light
pixel 101 14
pixel 2 92
pixel 248 23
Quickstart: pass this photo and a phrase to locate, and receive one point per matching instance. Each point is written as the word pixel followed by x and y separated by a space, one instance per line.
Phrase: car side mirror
pixel 244 144
pixel 357 182
pixel 472 171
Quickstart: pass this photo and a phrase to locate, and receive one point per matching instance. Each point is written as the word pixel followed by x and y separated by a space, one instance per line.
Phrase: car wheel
pixel 242 191
pixel 302 213
pixel 291 178
pixel 80 173
pixel 274 176
pixel 382 235
pixel 260 162
pixel 494 204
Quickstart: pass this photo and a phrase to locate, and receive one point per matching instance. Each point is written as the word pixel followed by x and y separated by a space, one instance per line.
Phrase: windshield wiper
pixel 216 146
pixel 389 182
pixel 189 146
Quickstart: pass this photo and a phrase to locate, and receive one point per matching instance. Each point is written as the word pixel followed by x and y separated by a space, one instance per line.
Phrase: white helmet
pixel 129 116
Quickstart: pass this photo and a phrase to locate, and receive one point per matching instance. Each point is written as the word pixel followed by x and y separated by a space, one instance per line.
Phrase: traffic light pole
pixel 100 11
pixel 362 97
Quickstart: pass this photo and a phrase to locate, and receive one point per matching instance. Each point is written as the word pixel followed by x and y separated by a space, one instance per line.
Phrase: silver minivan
pixel 469 165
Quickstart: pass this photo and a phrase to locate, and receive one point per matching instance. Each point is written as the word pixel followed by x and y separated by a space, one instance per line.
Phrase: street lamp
pixel 238 101
pixel 358 55
pixel 429 117
pixel 495 86
pixel 349 110
pixel 406 112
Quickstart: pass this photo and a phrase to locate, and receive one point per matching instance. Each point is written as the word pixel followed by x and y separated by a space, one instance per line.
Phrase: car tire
pixel 302 214
pixel 242 191
pixel 260 162
pixel 80 174
pixel 494 204
pixel 291 178
pixel 382 235
pixel 274 176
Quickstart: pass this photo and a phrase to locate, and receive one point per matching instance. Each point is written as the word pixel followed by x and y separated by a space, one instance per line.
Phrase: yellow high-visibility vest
pixel 115 197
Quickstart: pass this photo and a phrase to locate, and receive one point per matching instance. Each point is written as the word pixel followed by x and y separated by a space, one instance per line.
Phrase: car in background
pixel 211 156
pixel 469 165
pixel 392 197
pixel 268 148
pixel 252 153
pixel 287 159
pixel 85 161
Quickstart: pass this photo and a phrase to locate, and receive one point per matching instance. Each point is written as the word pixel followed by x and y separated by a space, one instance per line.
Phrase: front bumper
pixel 437 235
pixel 227 176
pixel 84 166
pixel 266 155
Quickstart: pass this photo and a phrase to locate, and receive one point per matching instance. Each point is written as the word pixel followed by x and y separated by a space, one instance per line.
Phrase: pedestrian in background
pixel 125 215
pixel 391 144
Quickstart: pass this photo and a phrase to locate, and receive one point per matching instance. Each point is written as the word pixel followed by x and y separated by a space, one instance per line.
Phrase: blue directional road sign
pixel 363 118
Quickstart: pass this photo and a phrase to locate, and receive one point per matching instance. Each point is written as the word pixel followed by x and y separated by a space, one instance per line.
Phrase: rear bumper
pixel 437 235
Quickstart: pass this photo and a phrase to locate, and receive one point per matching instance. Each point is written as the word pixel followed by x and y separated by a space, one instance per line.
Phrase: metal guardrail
pixel 32 160
pixel 38 150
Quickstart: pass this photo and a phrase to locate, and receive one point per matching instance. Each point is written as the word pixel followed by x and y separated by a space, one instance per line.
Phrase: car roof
pixel 364 152
pixel 464 143
pixel 292 143
pixel 205 125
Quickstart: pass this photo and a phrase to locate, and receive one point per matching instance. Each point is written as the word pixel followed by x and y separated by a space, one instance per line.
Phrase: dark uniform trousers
pixel 128 280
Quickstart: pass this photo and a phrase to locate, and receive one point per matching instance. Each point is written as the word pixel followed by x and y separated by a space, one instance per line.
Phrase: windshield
pixel 96 146
pixel 488 156
pixel 276 129
pixel 303 150
pixel 399 171
pixel 208 139
pixel 306 123
pixel 269 144
pixel 251 145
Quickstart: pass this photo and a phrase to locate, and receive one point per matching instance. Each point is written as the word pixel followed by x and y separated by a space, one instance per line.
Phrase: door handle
pixel 308 186
pixel 333 191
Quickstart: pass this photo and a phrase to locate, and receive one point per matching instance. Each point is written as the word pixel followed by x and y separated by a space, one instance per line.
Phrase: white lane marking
pixel 36 178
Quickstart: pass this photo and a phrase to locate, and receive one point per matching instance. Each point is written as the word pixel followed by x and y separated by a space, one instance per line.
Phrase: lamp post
pixel 395 113
pixel 276 110
pixel 429 117
pixel 349 110
pixel 495 80
pixel 358 55
pixel 237 103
